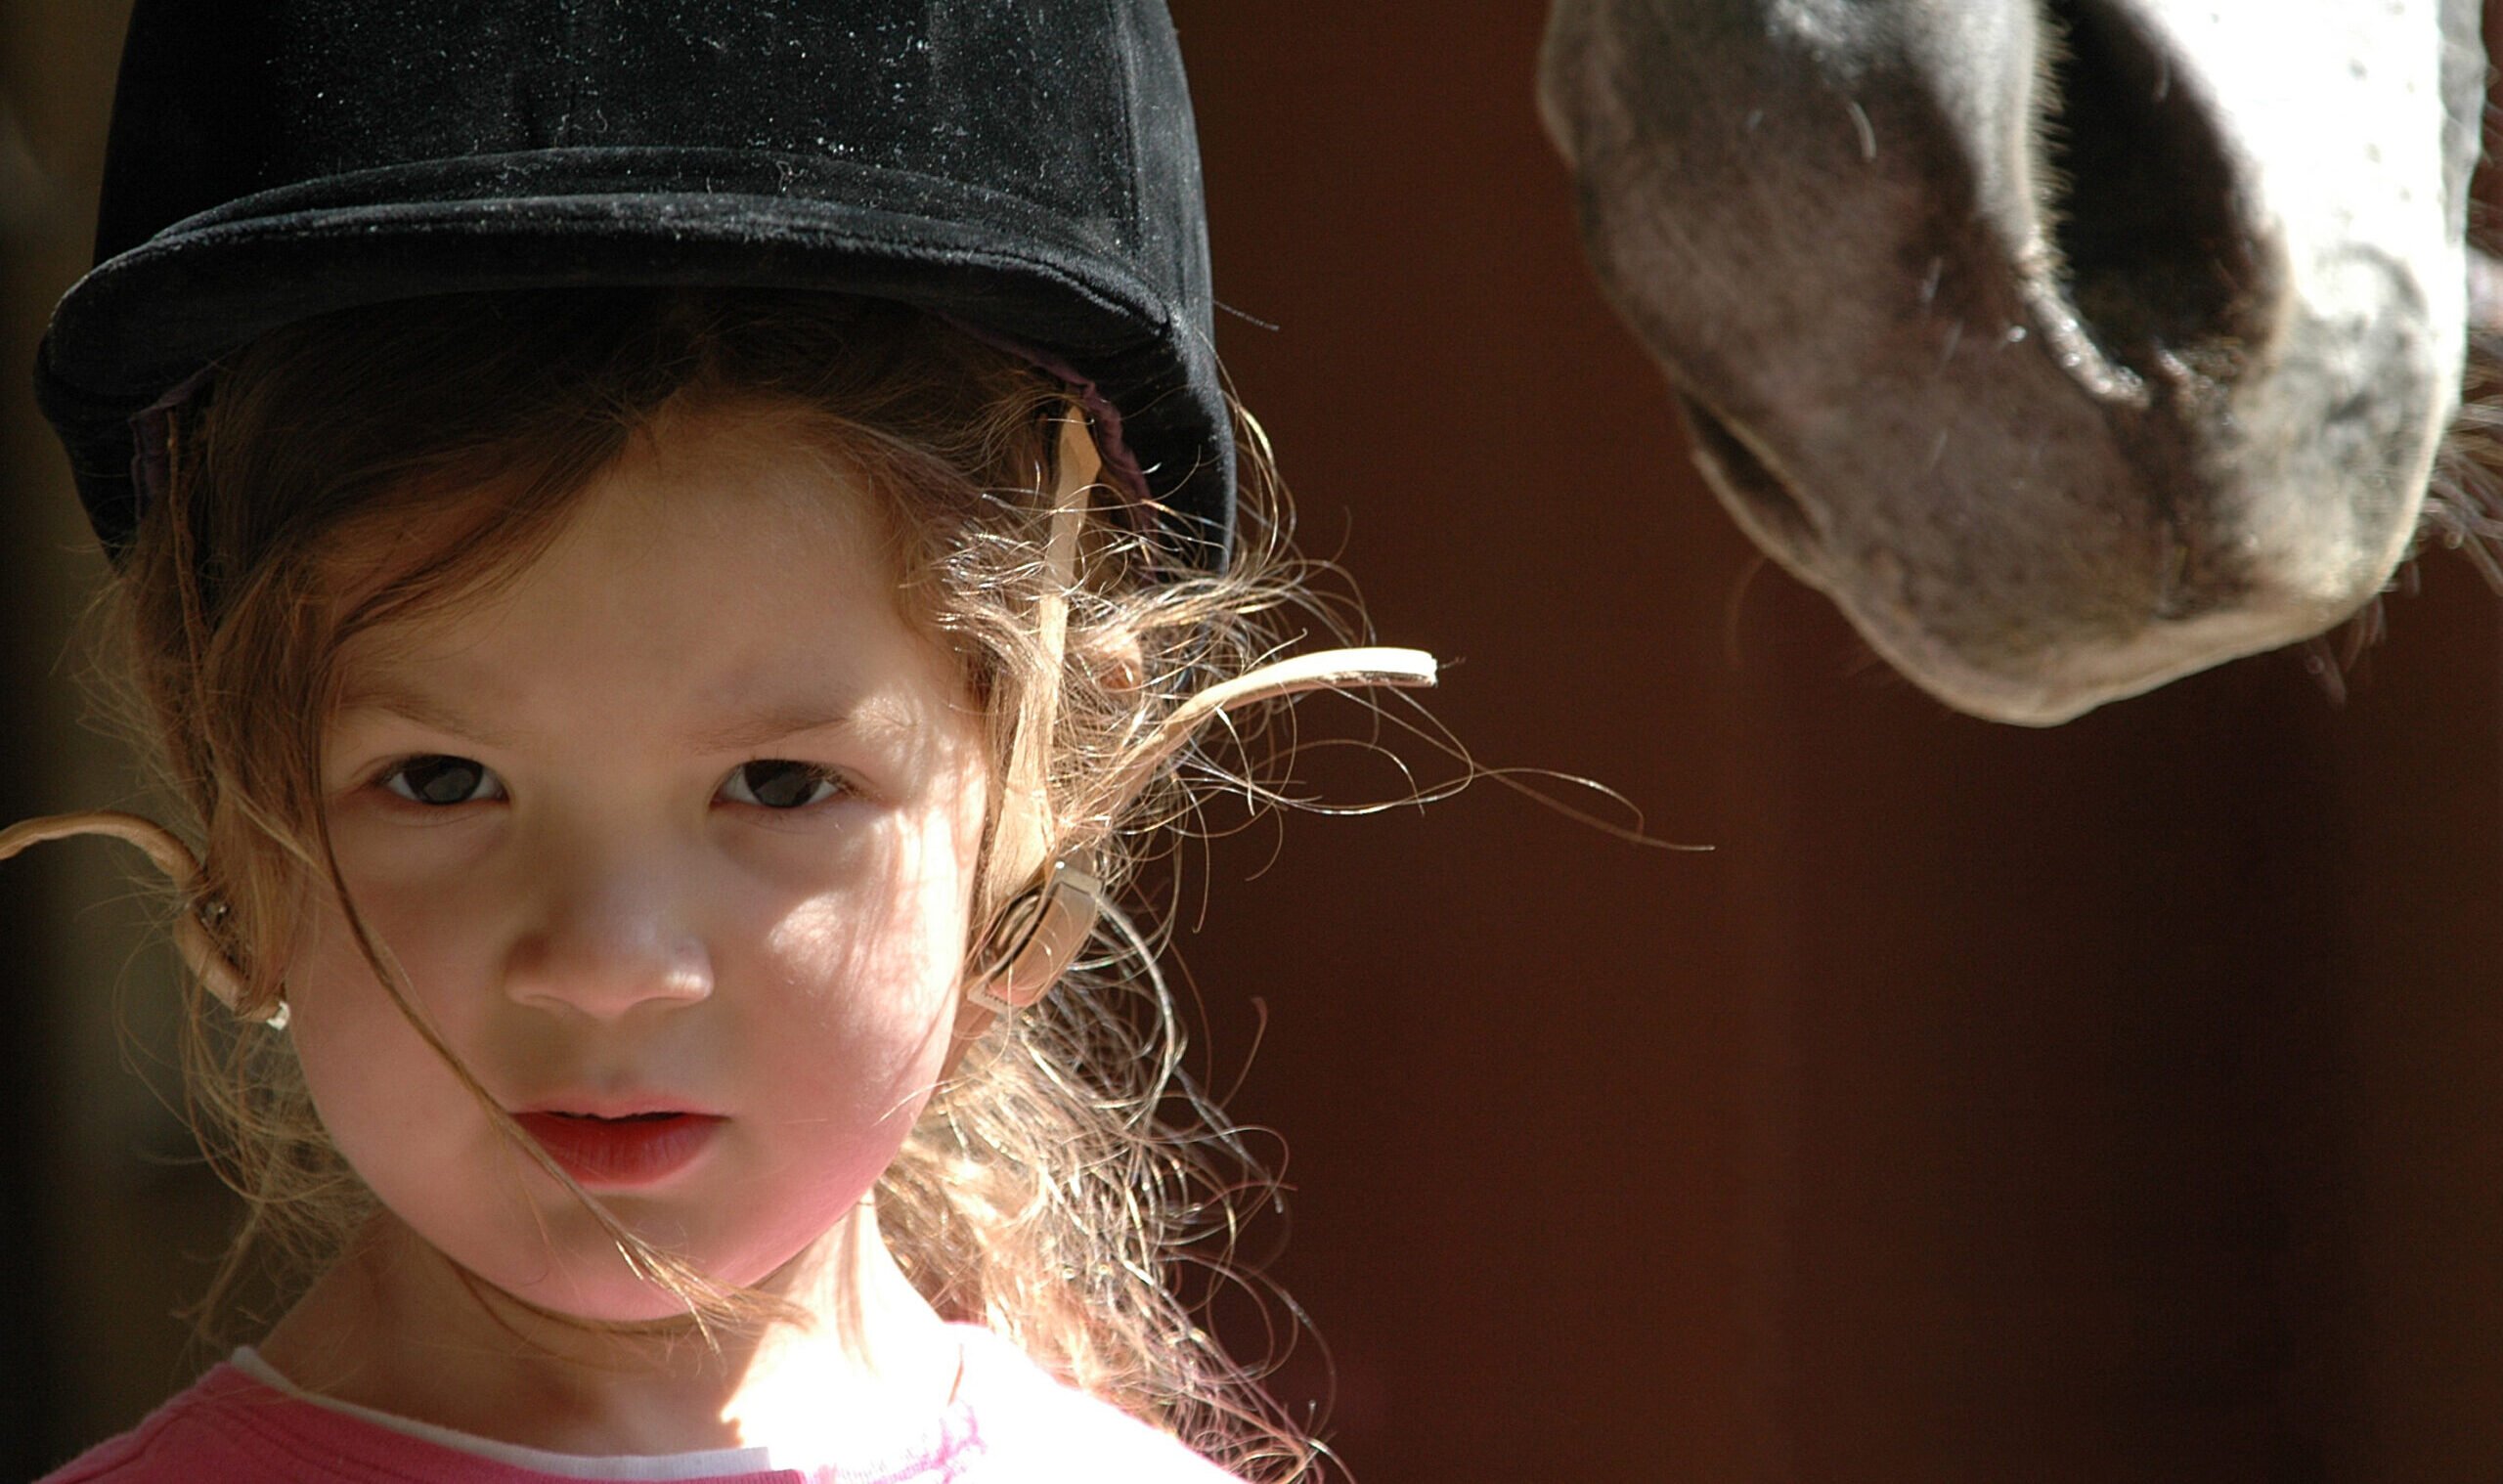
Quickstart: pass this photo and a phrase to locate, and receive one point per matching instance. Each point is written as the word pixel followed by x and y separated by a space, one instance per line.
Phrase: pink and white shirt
pixel 1010 1424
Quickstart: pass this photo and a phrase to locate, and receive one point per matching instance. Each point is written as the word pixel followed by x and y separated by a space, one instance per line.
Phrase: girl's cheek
pixel 379 853
pixel 869 966
pixel 422 924
pixel 376 1084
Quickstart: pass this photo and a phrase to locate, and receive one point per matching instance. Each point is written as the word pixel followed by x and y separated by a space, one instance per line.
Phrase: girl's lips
pixel 617 1154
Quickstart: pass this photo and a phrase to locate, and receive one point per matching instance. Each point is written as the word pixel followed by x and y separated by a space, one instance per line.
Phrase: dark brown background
pixel 2119 1103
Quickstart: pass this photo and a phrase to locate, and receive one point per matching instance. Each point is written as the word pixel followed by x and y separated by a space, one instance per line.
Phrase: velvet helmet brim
pixel 1025 171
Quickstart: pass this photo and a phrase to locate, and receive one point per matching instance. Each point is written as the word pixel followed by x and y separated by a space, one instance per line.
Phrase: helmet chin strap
pixel 1032 941
pixel 219 974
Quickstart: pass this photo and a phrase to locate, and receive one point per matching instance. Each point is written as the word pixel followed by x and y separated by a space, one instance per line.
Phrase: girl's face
pixel 674 841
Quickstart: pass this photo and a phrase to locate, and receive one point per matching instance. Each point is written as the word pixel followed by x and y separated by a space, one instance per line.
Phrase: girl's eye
pixel 438 781
pixel 776 783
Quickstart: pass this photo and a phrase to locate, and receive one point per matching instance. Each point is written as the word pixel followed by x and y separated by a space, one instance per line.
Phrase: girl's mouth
pixel 617 1154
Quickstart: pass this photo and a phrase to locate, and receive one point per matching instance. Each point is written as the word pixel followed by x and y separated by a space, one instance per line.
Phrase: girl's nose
pixel 603 947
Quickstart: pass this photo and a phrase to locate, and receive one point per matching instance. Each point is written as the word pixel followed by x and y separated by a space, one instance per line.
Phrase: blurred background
pixel 2111 1104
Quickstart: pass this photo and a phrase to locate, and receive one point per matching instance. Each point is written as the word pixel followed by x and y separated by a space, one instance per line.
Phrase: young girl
pixel 672 556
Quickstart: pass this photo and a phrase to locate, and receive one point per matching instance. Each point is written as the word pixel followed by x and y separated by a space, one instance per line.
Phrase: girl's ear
pixel 1037 937
pixel 1034 940
pixel 1115 657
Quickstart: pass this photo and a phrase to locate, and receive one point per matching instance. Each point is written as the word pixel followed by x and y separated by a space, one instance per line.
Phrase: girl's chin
pixel 586 1281
pixel 560 1262
pixel 592 1283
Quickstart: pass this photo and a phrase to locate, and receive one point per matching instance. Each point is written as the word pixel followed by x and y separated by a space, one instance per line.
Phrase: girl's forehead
pixel 768 468
pixel 720 548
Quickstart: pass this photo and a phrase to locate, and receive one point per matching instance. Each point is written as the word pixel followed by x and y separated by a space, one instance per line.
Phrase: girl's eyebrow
pixel 876 718
pixel 757 729
pixel 425 711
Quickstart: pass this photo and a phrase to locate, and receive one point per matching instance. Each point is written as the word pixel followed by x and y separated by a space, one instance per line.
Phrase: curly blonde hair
pixel 1064 1173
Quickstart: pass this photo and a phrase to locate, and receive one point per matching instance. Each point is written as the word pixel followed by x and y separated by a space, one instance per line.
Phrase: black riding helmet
pixel 1026 169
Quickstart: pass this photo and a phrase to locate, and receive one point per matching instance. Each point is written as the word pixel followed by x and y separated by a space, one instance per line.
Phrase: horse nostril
pixel 2147 206
pixel 1761 499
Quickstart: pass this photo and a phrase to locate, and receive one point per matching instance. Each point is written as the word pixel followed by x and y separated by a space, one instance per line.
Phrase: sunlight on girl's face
pixel 673 839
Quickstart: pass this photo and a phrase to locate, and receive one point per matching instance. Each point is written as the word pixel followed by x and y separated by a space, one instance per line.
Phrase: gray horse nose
pixel 2070 347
